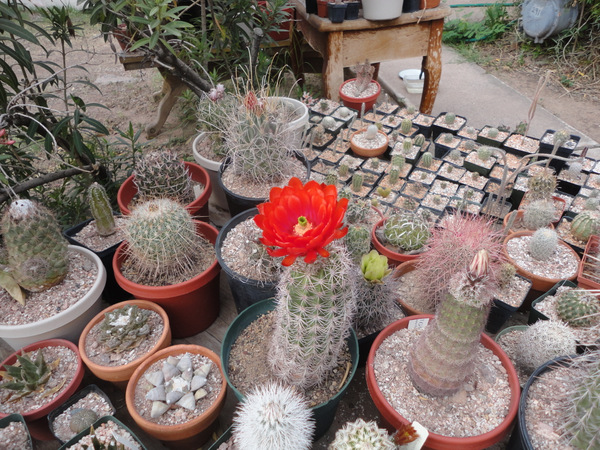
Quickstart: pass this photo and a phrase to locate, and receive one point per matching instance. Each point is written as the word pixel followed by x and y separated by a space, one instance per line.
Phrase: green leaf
pixel 12 28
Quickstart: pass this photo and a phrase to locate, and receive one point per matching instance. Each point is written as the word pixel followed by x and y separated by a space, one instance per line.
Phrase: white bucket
pixel 413 80
pixel 382 9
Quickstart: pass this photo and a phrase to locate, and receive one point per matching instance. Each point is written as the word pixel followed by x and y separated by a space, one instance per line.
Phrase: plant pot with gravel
pixel 14 433
pixel 120 337
pixel 176 395
pixel 106 432
pixel 401 237
pixel 369 142
pixel 360 93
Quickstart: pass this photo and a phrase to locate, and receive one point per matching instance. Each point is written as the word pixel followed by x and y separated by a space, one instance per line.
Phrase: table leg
pixel 333 68
pixel 172 88
pixel 432 67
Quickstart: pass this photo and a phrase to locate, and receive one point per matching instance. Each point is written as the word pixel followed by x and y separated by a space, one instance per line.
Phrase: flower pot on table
pixel 352 10
pixel 382 9
pixel 336 12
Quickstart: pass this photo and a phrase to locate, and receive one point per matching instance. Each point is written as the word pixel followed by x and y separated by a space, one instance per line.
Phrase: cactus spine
pixel 361 435
pixel 36 251
pixel 273 417
pixel 543 341
pixel 542 244
pixel 449 118
pixel 406 126
pixel 419 140
pixel 101 210
pixel 427 159
pixel 578 307
pixel 160 174
pixel 357 182
pixel 406 231
pixel 358 242
pixel 538 214
pixel 542 184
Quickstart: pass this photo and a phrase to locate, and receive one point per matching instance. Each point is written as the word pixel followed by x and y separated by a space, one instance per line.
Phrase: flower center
pixel 302 226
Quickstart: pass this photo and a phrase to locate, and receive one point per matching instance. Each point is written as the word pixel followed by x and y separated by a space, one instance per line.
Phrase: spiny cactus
pixel 591 203
pixel 273 417
pixel 364 75
pixel 124 328
pixel 470 145
pixel 560 138
pixel 27 375
pixel 585 224
pixel 454 155
pixel 162 240
pixel 398 161
pixel 101 210
pixel 406 126
pixel 538 214
pixel 358 208
pixel 427 159
pixel 357 182
pixel 331 177
pixel 343 170
pixel 506 274
pixel 574 170
pixel 543 341
pixel 358 242
pixel 36 251
pixel 578 307
pixel 407 145
pixel 493 132
pixel 484 153
pixel 328 122
pixel 362 435
pixel 406 231
pixel 419 140
pixel 446 138
pixel 394 175
pixel 315 304
pixel 444 355
pixel 543 243
pixel 160 174
pixel 542 184
pixel 371 132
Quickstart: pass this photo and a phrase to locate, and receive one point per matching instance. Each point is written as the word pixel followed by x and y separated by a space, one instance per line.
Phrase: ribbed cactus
pixel 315 304
pixel 101 210
pixel 407 145
pixel 394 175
pixel 449 118
pixel 398 161
pixel 578 307
pixel 543 341
pixel 343 170
pixel 538 214
pixel 358 242
pixel 36 250
pixel 160 174
pixel 162 240
pixel 493 132
pixel 361 435
pixel 446 138
pixel 543 243
pixel 506 274
pixel 273 417
pixel 444 355
pixel 406 231
pixel 357 181
pixel 358 208
pixel 484 153
pixel 542 184
pixel 427 160
pixel 585 224
pixel 406 126
pixel 419 140
pixel 331 177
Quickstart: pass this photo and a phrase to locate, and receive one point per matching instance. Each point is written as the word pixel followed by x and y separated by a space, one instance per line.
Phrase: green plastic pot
pixel 96 424
pixel 323 413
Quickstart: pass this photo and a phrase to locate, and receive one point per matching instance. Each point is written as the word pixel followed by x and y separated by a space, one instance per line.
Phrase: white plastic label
pixel 418 324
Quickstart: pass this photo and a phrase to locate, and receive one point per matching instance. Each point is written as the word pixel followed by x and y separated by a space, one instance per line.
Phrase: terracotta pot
pixel 121 374
pixel 66 392
pixel 193 433
pixel 322 8
pixel 518 222
pixel 437 441
pixel 583 279
pixel 198 208
pixel 193 305
pixel 406 267
pixel 394 258
pixel 538 283
pixel 559 203
pixel 368 152
pixel 428 4
pixel 356 103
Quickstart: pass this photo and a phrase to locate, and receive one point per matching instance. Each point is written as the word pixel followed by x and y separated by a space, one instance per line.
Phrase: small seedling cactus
pixel 538 214
pixel 343 170
pixel 357 182
pixel 542 184
pixel 447 138
pixel 383 192
pixel 362 435
pixel 543 243
pixel 449 118
pixel 394 175
pixel 484 153
pixel 398 161
pixel 427 159
pixel 419 140
pixel 578 307
pixel 358 242
pixel 470 145
pixel 28 375
pixel 543 341
pixel 374 163
pixel 331 177
pixel 101 210
pixel 406 126
pixel 407 145
pixel 328 122
pixel 324 105
pixel 493 132
pixel 160 174
pixel 506 274
pixel 409 232
pixel 124 328
pixel 454 155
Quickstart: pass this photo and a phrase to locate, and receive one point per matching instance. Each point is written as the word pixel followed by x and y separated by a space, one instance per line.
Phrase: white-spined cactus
pixel 543 243
pixel 361 435
pixel 542 341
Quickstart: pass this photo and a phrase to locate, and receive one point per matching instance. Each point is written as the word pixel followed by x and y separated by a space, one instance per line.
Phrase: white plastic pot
pixel 382 9
pixel 217 197
pixel 300 124
pixel 67 324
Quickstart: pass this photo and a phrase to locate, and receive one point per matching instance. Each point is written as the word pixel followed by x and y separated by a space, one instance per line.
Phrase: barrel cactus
pixel 578 307
pixel 585 224
pixel 542 184
pixel 427 159
pixel 543 243
pixel 406 126
pixel 409 232
pixel 419 140
pixel 101 210
pixel 543 341
pixel 160 174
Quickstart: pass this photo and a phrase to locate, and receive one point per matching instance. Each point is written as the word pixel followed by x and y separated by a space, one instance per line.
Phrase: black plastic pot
pixel 411 6
pixel 96 424
pixel 222 439
pixel 323 413
pixel 562 151
pixel 439 128
pixel 352 10
pixel 311 6
pixel 238 203
pixel 112 293
pixel 534 314
pixel 514 150
pixel 6 421
pixel 245 291
pixel 336 12
pixel 500 312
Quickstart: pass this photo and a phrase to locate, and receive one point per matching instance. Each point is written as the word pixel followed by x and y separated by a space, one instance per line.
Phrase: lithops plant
pixel 178 383
pixel 124 328
pixel 160 174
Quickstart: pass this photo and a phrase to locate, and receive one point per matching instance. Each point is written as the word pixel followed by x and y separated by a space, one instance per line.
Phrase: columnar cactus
pixel 160 174
pixel 538 214
pixel 419 140
pixel 406 126
pixel 362 435
pixel 406 231
pixel 543 341
pixel 427 159
pixel 407 145
pixel 543 243
pixel 101 210
pixel 394 175
pixel 398 161
pixel 357 182
pixel 273 417
pixel 585 224
pixel 36 250
pixel 578 307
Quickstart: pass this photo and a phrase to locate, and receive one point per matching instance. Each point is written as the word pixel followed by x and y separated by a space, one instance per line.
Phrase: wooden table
pixel 354 41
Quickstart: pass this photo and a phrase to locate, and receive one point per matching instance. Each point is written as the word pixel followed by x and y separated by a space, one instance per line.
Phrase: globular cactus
pixel 427 159
pixel 542 184
pixel 445 354
pixel 394 176
pixel 484 153
pixel 374 163
pixel 124 328
pixel 317 133
pixel 36 252
pixel 331 177
pixel 470 145
pixel 446 138
pixel 454 155
pixel 574 170
pixel 362 435
pixel 343 170
pixel 578 307
pixel 591 203
pixel 506 274
pixel 328 122
pixel 543 341
pixel 315 306
pixel 160 174
pixel 81 419
pixel 101 210
pixel 27 375
pixel 357 182
pixel 273 417
pixel 358 242
pixel 162 240
pixel 585 224
pixel 419 140
pixel 543 243
pixel 406 126
pixel 398 161
pixel 449 118
pixel 358 208
pixel 407 145
pixel 560 138
pixel 406 231
pixel 371 132
pixel 538 214
pixel 493 132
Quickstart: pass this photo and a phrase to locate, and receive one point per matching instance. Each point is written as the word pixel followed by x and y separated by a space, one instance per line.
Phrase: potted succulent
pixel 39 269
pixel 168 258
pixel 105 433
pixel 336 11
pixel 369 142
pixel 176 395
pixel 160 174
pixel 360 93
pixel 120 337
pixel 401 237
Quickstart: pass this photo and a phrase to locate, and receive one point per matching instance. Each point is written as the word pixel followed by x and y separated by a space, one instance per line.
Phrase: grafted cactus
pixel 101 210
pixel 160 174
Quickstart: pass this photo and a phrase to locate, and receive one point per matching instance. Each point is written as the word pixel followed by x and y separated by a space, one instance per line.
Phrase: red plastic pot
pixel 322 8
pixel 192 306
pixel 355 102
pixel 198 208
pixel 394 258
pixel 437 441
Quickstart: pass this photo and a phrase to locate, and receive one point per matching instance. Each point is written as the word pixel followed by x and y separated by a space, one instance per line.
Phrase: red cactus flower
pixel 3 139
pixel 301 220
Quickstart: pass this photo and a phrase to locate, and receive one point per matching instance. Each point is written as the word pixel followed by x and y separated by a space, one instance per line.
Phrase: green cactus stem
pixel 362 435
pixel 585 224
pixel 160 174
pixel 578 307
pixel 409 232
pixel 101 210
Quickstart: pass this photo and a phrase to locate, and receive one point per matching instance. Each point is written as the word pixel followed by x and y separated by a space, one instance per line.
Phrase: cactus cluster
pixel 101 210
pixel 36 252
pixel 543 243
pixel 585 224
pixel 542 341
pixel 273 417
pixel 28 375
pixel 578 307
pixel 409 232
pixel 361 435
pixel 160 174
pixel 538 214
pixel 124 328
